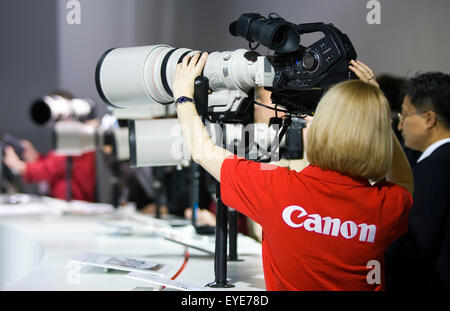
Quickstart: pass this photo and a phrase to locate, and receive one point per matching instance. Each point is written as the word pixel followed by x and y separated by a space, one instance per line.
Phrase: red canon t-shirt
pixel 320 228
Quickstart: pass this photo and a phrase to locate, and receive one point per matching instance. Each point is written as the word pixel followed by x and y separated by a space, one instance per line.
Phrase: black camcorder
pixel 301 74
pixel 8 140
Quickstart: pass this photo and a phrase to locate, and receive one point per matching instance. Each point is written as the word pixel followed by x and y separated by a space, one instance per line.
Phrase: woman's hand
pixel 363 72
pixel 30 154
pixel 189 69
pixel 197 138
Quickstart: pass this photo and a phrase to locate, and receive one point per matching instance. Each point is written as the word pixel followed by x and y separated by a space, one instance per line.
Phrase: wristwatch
pixel 182 100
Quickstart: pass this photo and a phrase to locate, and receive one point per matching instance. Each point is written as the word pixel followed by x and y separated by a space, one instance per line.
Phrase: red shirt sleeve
pixel 244 184
pixel 404 201
pixel 48 168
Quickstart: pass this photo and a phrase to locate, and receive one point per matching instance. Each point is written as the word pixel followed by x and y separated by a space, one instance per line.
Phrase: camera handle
pixel 327 30
pixel 220 254
pixel 201 103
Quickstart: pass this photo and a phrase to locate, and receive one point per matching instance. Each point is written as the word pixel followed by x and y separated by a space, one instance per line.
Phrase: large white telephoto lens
pixel 73 138
pixel 143 75
pixel 157 142
pixel 52 108
pixel 121 146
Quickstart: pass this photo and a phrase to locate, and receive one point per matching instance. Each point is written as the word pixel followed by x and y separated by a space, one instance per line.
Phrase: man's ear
pixel 431 118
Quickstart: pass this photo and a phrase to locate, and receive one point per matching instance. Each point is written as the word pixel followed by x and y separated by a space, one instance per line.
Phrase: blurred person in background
pixel 51 168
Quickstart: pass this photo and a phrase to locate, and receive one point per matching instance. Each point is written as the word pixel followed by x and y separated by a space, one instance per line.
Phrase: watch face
pixel 184 99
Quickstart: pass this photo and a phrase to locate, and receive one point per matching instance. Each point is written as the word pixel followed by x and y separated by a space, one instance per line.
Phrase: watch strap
pixel 182 100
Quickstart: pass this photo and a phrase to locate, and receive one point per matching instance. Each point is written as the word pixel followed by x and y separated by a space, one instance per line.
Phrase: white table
pixel 35 251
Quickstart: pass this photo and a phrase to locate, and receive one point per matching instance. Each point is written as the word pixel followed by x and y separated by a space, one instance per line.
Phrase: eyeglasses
pixel 403 116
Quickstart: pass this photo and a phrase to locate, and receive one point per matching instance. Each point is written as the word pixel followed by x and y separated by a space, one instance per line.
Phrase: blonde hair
pixel 351 131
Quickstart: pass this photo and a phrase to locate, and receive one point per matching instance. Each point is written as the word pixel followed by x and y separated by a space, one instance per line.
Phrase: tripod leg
pixel 220 258
pixel 233 217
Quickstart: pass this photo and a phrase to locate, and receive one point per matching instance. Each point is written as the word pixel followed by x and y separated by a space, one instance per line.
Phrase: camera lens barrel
pixel 40 112
pixel 138 75
pixel 51 108
pixel 73 138
pixel 134 76
pixel 157 143
pixel 121 144
pixel 310 61
pixel 230 70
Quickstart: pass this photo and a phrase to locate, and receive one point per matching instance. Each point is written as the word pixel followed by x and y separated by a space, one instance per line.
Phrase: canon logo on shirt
pixel 329 226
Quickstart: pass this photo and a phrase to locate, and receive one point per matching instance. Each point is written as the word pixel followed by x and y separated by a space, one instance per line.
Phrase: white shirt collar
pixel 433 147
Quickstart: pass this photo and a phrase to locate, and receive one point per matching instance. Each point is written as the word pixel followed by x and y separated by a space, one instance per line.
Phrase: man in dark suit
pixel 421 258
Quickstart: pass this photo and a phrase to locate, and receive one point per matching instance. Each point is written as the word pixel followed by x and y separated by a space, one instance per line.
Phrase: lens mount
pixel 310 61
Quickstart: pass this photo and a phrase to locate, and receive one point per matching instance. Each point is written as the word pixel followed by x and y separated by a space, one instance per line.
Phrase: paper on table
pixel 197 242
pixel 123 263
pixel 163 281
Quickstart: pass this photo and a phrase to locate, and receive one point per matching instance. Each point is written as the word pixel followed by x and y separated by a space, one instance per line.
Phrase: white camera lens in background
pixel 49 109
pixel 157 142
pixel 73 138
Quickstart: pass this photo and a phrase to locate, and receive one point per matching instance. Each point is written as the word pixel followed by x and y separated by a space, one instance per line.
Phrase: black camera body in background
pixel 8 140
pixel 8 177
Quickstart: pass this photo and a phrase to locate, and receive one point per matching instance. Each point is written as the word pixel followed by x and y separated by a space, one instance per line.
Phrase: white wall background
pixel 28 64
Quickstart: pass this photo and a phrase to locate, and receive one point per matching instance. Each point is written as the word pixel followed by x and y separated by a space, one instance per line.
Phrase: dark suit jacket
pixel 421 258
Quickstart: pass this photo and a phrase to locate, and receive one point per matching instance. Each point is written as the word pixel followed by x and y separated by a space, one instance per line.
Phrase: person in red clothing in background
pixel 51 168
pixel 324 225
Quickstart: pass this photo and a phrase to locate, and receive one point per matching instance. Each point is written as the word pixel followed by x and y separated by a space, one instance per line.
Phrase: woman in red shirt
pixel 328 226
pixel 51 168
